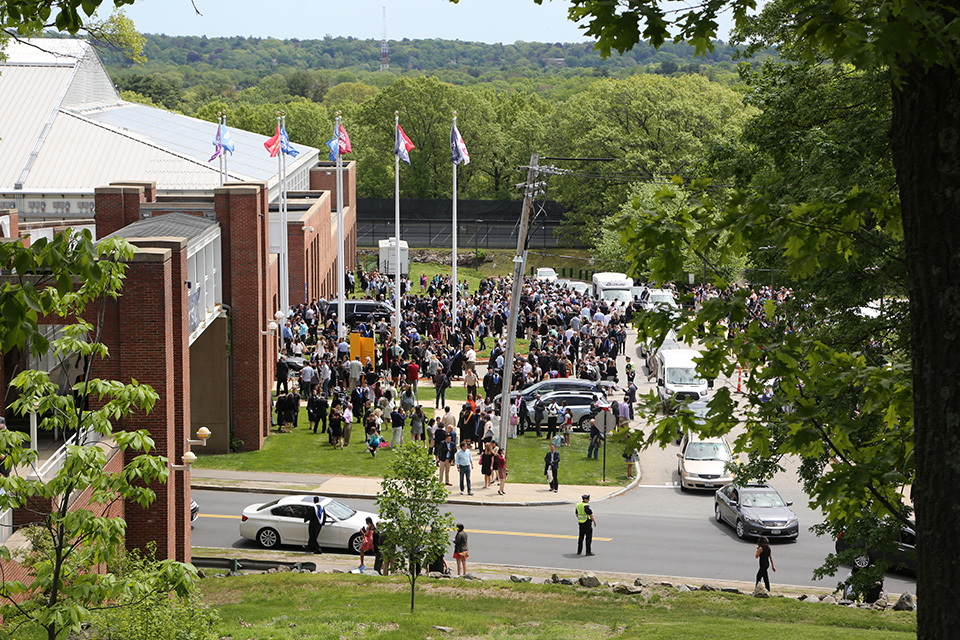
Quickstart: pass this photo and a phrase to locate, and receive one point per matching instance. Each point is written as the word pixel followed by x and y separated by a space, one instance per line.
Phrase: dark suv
pixel 903 555
pixel 369 311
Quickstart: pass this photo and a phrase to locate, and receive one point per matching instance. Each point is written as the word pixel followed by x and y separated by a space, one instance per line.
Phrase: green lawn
pixel 289 606
pixel 313 454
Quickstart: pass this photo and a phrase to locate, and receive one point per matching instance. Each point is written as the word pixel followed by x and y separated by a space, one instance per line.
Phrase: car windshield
pixel 338 510
pixel 708 451
pixel 663 298
pixel 678 375
pixel 267 505
pixel 761 499
pixel 616 294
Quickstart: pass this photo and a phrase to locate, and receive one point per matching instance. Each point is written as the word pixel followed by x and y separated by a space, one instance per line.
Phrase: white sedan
pixel 283 521
pixel 546 274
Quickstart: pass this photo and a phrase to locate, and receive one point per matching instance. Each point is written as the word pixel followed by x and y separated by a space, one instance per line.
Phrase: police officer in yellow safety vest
pixel 587 522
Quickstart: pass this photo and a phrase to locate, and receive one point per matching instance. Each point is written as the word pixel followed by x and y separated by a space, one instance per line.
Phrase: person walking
pixel 500 464
pixel 366 546
pixel 551 468
pixel 460 550
pixel 586 522
pixel 596 438
pixel 766 561
pixel 464 465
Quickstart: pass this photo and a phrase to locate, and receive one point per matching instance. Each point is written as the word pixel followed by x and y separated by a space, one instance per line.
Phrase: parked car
pixel 903 555
pixel 660 298
pixel 755 510
pixel 194 510
pixel 702 463
pixel 556 384
pixel 368 311
pixel 547 274
pixel 582 404
pixel 580 287
pixel 283 521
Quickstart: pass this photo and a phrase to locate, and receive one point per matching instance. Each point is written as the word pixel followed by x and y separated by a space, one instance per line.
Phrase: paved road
pixel 653 531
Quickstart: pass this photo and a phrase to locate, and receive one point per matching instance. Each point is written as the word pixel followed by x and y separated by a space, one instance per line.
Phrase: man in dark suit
pixel 314 520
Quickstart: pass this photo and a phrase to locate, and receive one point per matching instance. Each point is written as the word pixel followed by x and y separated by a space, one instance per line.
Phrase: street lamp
pixel 189 457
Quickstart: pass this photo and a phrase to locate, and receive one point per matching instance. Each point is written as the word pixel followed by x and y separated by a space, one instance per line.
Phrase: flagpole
pixel 284 265
pixel 453 306
pixel 396 246
pixel 220 140
pixel 341 259
pixel 224 153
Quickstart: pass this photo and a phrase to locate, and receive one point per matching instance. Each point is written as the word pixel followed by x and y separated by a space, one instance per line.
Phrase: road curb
pixel 199 486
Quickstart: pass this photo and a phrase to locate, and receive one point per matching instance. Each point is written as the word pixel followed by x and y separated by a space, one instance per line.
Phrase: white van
pixel 677 378
pixel 611 287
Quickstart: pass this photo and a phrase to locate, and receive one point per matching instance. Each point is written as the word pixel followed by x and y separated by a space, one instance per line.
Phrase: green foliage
pixel 58 280
pixel 409 501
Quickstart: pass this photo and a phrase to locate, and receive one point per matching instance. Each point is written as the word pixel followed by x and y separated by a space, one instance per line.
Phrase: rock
pixel 444 629
pixel 707 587
pixel 802 597
pixel 626 589
pixel 829 599
pixel 683 588
pixel 341 570
pixel 760 591
pixel 471 576
pixel 882 602
pixel 435 574
pixel 554 578
pixel 665 584
pixel 516 578
pixel 905 603
pixel 637 583
pixel 567 581
pixel 846 603
pixel 547 581
pixel 589 580
pixel 284 568
pixel 273 570
pixel 730 590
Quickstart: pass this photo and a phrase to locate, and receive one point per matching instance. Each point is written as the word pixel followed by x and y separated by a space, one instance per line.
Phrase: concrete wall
pixel 210 387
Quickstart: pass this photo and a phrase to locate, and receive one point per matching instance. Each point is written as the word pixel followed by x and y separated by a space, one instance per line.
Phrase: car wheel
pixel 861 561
pixel 584 424
pixel 741 531
pixel 716 512
pixel 268 538
pixel 355 541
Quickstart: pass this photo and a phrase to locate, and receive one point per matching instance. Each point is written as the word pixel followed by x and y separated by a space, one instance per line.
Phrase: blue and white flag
pixel 285 146
pixel 334 145
pixel 457 146
pixel 226 141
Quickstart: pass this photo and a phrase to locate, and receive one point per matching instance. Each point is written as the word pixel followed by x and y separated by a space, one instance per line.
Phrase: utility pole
pixel 518 262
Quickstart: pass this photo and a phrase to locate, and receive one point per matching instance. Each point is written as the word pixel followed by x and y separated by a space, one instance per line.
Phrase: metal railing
pixel 55 462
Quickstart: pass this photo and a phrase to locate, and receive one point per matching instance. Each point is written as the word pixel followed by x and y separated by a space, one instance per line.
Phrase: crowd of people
pixel 570 334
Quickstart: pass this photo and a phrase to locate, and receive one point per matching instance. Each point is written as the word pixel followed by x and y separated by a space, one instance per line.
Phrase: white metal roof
pixel 63 128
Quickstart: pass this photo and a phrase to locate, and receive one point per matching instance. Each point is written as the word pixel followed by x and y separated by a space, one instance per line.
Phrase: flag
pixel 457 146
pixel 403 145
pixel 334 145
pixel 285 144
pixel 344 141
pixel 226 141
pixel 217 146
pixel 273 144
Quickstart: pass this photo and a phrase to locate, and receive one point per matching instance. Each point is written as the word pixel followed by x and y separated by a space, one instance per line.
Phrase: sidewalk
pixel 517 495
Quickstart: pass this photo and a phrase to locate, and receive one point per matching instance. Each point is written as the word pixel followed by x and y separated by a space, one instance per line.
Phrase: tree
pixel 63 586
pixel 410 496
pixel 915 45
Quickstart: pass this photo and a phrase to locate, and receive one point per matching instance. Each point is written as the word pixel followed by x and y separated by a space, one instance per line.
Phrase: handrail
pixel 55 462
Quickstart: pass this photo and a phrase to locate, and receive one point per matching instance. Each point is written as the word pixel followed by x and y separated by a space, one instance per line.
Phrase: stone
pixel 444 629
pixel 272 570
pixel 829 599
pixel 760 591
pixel 802 597
pixel 730 590
pixel 665 584
pixel 435 574
pixel 637 583
pixel 882 602
pixel 905 603
pixel 554 578
pixel 626 589
pixel 708 587
pixel 471 576
pixel 569 581
pixel 683 588
pixel 516 578
pixel 547 581
pixel 846 603
pixel 283 569
pixel 589 580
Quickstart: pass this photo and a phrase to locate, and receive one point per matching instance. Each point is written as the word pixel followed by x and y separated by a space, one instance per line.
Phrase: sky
pixel 491 21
